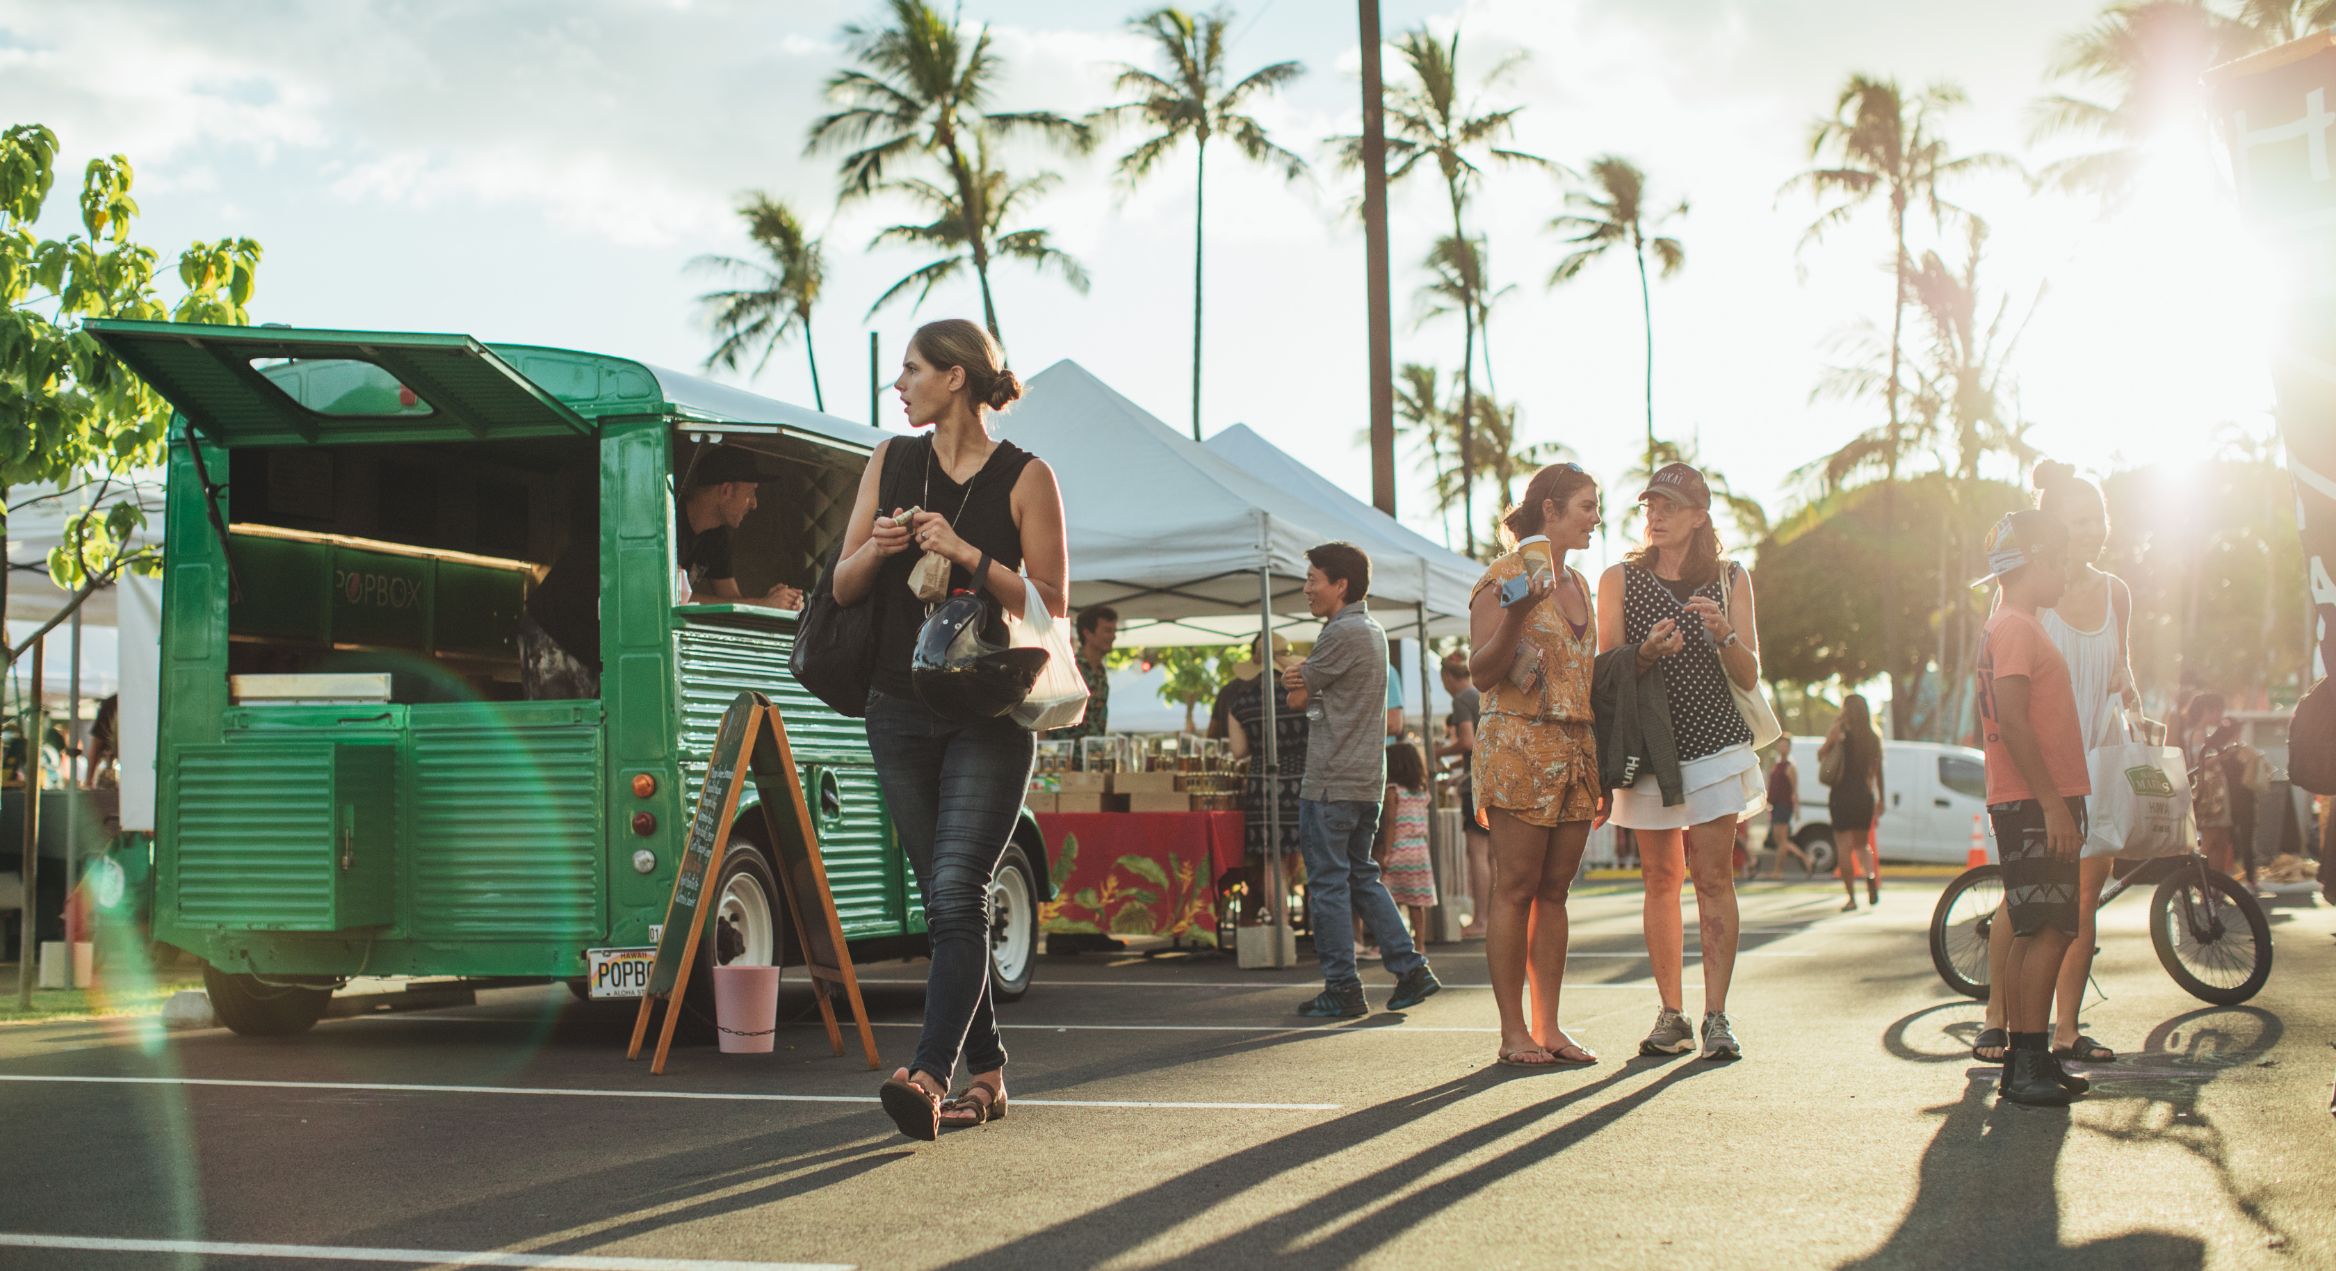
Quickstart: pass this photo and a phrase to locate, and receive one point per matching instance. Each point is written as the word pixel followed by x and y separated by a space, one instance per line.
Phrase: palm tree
pixel 1613 213
pixel 1428 121
pixel 2278 21
pixel 2150 56
pixel 1878 143
pixel 922 88
pixel 1423 418
pixel 999 198
pixel 773 303
pixel 1455 279
pixel 1190 100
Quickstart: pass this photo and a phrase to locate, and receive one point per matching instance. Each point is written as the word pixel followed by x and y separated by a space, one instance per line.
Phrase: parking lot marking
pixel 1356 1030
pixel 416 1257
pixel 1636 985
pixel 714 1095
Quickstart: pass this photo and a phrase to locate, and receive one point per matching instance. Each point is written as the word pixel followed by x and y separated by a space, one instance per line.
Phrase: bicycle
pixel 2209 932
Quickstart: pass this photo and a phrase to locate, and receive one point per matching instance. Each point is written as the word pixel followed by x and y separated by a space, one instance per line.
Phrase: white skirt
pixel 1723 784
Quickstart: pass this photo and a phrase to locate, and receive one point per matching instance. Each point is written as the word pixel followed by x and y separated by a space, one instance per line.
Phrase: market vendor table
pixel 1139 873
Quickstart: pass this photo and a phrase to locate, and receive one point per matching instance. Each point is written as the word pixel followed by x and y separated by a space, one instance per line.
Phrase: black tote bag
pixel 835 645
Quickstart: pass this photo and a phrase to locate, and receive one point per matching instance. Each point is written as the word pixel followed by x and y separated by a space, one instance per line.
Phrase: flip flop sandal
pixel 1995 1039
pixel 1565 1055
pixel 911 1107
pixel 987 1106
pixel 2085 1051
pixel 1516 1058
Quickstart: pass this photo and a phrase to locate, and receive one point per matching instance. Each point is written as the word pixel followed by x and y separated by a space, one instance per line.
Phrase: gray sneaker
pixel 1719 1037
pixel 1672 1035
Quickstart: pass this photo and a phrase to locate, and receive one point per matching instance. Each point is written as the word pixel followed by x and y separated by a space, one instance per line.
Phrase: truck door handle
pixel 1940 803
pixel 348 848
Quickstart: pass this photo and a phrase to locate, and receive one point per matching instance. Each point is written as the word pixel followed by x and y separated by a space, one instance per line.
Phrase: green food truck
pixel 356 777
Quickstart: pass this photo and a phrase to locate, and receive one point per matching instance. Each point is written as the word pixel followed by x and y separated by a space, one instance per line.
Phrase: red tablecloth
pixel 1139 873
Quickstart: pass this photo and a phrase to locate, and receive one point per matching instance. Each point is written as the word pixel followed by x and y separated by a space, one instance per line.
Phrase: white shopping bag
pixel 2140 805
pixel 1059 698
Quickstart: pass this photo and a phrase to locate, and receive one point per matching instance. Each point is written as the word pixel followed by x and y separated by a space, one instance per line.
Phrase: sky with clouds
pixel 545 171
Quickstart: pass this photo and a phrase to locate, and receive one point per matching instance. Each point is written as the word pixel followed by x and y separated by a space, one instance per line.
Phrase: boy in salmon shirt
pixel 2036 788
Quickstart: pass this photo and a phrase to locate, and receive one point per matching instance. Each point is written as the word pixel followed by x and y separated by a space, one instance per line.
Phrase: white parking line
pixel 422 1257
pixel 714 1095
pixel 1635 985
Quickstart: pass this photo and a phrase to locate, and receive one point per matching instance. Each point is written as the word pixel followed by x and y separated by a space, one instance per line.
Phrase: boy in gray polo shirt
pixel 1342 687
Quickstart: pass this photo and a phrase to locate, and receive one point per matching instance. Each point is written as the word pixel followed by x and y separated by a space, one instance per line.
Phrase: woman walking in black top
pixel 1680 605
pixel 1854 797
pixel 954 788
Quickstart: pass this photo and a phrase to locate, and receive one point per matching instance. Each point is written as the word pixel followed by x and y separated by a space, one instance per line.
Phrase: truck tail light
pixel 644 785
pixel 644 823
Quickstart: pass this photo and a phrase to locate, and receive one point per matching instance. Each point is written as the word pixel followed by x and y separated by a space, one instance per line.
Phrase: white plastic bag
pixel 2140 805
pixel 1059 697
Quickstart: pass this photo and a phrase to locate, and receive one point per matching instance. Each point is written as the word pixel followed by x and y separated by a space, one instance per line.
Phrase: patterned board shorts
pixel 2039 888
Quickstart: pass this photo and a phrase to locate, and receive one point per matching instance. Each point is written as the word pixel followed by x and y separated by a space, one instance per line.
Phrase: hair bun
pixel 1005 389
pixel 2052 472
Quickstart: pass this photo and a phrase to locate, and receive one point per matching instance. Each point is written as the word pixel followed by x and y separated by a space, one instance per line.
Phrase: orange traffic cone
pixel 1977 856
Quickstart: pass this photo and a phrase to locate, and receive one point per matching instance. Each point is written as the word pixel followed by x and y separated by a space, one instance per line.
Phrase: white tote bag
pixel 2140 805
pixel 1059 697
pixel 1751 703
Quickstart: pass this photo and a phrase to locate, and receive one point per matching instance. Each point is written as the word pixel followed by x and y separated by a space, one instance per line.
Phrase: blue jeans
pixel 1342 882
pixel 954 792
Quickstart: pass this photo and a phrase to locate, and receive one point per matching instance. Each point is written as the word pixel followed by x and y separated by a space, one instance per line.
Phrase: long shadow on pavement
pixel 1101 1235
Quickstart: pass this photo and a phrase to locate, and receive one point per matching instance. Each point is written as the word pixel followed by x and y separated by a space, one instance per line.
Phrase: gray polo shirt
pixel 1346 748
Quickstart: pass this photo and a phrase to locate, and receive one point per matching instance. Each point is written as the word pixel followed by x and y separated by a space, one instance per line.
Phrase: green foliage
pixel 1194 672
pixel 69 414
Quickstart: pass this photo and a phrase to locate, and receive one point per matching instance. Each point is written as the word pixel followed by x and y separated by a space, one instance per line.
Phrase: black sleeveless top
pixel 914 477
pixel 1704 717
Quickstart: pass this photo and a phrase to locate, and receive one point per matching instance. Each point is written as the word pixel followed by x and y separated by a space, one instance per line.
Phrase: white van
pixel 1934 794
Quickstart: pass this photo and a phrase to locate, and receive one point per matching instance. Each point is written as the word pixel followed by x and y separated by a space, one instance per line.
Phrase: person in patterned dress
pixel 1403 837
pixel 1532 636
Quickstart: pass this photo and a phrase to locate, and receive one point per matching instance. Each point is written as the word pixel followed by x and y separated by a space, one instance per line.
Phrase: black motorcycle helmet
pixel 963 668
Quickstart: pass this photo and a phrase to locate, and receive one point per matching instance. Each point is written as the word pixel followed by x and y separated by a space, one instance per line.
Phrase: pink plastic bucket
pixel 746 1005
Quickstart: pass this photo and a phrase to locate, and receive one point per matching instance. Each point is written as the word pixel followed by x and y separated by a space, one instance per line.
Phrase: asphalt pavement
pixel 1172 1111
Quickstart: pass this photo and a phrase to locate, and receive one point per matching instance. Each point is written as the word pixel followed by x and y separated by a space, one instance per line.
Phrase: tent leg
pixel 1271 884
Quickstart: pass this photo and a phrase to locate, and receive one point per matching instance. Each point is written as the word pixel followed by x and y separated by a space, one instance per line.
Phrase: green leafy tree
pixel 1434 125
pixel 775 292
pixel 1610 213
pixel 944 232
pixel 1194 674
pixel 1187 99
pixel 923 88
pixel 70 415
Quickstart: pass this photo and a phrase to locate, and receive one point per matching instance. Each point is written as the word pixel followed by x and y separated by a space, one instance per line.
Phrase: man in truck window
pixel 719 493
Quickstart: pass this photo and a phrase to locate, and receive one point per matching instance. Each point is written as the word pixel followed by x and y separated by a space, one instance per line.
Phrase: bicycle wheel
pixel 2210 935
pixel 1959 928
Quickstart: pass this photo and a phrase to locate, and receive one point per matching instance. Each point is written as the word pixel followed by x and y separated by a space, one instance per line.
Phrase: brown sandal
pixel 981 1104
pixel 914 1108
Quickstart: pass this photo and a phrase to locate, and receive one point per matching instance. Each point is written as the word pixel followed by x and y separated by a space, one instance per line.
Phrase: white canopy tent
pixel 1184 542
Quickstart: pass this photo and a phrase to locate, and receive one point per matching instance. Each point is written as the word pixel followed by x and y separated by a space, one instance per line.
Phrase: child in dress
pixel 1403 837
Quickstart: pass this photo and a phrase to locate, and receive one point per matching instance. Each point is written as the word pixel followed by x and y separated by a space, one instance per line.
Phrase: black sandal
pixel 983 1101
pixel 2002 1040
pixel 2085 1051
pixel 915 1109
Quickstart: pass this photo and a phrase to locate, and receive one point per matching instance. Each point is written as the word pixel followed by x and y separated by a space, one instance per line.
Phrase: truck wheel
pixel 746 930
pixel 1013 925
pixel 1817 841
pixel 252 1009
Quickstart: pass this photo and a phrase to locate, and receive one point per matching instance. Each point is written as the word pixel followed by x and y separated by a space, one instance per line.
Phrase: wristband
pixel 1730 640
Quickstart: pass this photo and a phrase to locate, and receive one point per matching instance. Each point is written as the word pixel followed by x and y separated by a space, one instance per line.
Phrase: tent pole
pixel 1271 885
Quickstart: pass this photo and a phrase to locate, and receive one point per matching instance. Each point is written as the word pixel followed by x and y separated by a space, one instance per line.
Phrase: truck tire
pixel 252 1009
pixel 748 928
pixel 1013 925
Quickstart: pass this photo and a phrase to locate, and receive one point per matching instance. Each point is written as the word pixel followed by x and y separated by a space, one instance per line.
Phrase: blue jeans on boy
pixel 1342 881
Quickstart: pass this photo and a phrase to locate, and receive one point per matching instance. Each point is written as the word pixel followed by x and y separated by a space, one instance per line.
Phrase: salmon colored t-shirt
pixel 2015 645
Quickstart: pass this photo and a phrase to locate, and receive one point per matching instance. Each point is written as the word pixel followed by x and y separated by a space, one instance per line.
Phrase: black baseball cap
pixel 1680 483
pixel 718 465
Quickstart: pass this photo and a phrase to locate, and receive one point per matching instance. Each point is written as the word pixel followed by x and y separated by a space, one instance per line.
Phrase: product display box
pixel 1143 783
pixel 1085 782
pixel 1149 802
pixel 1041 801
pixel 1089 801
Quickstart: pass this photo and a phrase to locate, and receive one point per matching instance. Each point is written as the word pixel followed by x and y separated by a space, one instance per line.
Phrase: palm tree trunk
pixel 1200 174
pixel 1646 309
pixel 976 238
pixel 1899 708
pixel 1467 389
pixel 811 355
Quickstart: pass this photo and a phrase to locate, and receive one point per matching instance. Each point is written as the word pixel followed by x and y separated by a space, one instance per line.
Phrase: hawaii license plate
pixel 619 972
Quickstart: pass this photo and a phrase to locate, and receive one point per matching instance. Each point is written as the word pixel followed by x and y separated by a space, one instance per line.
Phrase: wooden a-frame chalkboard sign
pixel 753 739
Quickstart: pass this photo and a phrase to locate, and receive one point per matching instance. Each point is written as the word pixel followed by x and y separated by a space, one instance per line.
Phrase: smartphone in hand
pixel 1516 589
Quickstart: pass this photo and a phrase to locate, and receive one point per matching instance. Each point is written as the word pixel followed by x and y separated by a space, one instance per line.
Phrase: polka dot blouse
pixel 1704 717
